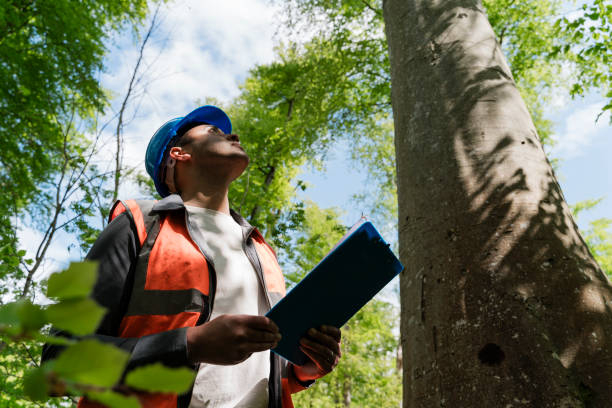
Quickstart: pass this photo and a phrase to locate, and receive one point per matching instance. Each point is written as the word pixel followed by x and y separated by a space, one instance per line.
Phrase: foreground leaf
pixel 31 316
pixel 76 281
pixel 55 340
pixel 23 315
pixel 78 316
pixel 90 362
pixel 8 315
pixel 35 384
pixel 114 400
pixel 159 378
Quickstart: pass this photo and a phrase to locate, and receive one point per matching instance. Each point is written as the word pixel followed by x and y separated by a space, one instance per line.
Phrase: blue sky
pixel 584 148
pixel 205 49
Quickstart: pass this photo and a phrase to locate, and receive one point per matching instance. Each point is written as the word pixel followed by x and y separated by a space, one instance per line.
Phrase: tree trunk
pixel 502 303
pixel 346 393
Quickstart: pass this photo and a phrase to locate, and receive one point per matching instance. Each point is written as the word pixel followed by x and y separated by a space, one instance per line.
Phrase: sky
pixel 205 49
pixel 584 147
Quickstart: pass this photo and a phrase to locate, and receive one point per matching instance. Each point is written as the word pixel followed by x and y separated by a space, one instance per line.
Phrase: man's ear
pixel 178 154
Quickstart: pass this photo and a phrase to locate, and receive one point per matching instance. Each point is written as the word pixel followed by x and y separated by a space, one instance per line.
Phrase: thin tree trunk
pixel 272 168
pixel 267 182
pixel 134 79
pixel 346 393
pixel 502 303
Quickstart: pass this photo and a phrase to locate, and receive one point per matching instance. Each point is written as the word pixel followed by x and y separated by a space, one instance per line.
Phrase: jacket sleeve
pixel 116 251
pixel 294 384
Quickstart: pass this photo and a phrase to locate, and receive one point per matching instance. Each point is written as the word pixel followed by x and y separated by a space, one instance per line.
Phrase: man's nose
pixel 233 138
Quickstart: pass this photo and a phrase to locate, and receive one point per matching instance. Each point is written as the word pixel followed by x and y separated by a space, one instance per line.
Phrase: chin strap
pixel 169 175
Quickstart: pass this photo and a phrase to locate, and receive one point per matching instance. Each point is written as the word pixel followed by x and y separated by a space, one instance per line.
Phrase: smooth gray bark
pixel 502 303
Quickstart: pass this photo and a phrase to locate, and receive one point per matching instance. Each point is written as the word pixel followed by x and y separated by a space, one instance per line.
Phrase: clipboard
pixel 351 274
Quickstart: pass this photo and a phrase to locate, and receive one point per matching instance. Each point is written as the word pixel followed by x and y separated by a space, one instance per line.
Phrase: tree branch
pixel 374 9
pixel 120 122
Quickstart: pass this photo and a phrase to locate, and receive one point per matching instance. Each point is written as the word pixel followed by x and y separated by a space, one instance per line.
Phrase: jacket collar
pixel 169 203
pixel 174 202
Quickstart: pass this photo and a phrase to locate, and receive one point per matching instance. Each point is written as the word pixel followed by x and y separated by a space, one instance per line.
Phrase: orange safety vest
pixel 163 299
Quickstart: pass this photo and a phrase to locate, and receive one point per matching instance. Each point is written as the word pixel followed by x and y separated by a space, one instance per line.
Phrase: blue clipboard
pixel 354 271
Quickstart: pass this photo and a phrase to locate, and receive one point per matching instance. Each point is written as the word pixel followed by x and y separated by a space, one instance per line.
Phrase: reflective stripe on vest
pixel 133 209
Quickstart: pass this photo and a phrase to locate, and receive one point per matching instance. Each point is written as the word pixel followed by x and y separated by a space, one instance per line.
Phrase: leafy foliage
pixel 90 362
pixel 598 236
pixel 85 366
pixel 599 240
pixel 75 282
pixel 289 119
pixel 159 378
pixel 78 316
pixel 114 399
pixel 312 239
pixel 368 374
pixel 537 70
pixel 51 53
pixel 589 48
pixel 19 373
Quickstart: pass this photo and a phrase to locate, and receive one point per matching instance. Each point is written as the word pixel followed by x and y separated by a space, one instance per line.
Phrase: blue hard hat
pixel 158 144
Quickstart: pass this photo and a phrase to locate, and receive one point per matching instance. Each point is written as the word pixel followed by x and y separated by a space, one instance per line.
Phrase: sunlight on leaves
pixel 159 378
pixel 76 281
pixel 114 400
pixel 78 316
pixel 102 366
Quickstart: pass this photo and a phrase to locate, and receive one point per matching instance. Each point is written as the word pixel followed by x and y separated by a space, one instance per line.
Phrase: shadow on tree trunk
pixel 502 302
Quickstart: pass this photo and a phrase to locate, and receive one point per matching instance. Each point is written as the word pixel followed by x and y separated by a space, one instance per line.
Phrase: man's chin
pixel 239 164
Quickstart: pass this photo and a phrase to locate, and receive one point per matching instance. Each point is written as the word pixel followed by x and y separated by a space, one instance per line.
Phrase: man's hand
pixel 322 347
pixel 230 339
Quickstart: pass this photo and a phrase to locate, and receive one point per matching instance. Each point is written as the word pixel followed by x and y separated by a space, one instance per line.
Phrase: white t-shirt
pixel 238 292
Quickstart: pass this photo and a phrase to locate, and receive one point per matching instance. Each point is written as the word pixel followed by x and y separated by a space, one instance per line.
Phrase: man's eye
pixel 215 130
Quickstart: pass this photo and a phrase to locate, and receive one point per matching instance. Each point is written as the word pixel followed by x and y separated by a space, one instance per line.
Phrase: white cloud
pixel 202 49
pixel 579 131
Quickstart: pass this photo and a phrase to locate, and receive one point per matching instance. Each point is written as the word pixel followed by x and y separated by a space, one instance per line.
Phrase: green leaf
pixel 23 315
pixel 31 317
pixel 56 340
pixel 35 384
pixel 78 316
pixel 90 362
pixel 76 281
pixel 114 400
pixel 8 315
pixel 584 205
pixel 159 378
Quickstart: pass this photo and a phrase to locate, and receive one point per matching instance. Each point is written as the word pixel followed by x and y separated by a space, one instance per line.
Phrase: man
pixel 187 281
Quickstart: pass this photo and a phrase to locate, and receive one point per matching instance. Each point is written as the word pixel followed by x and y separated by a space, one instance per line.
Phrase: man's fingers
pixel 323 339
pixel 328 353
pixel 262 336
pixel 326 363
pixel 261 323
pixel 332 331
pixel 254 347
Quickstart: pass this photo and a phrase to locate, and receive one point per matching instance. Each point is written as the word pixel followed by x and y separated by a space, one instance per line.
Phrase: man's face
pixel 214 151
